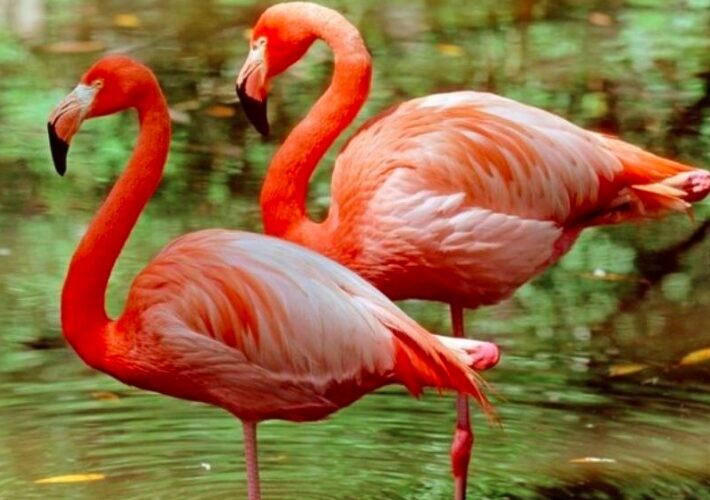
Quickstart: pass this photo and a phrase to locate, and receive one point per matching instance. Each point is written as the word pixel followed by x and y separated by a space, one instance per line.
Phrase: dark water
pixel 573 425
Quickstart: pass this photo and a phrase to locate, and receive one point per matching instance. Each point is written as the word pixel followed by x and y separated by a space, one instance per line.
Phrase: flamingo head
pixel 277 41
pixel 112 84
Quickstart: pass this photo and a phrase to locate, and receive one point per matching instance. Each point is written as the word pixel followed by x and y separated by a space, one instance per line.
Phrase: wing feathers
pixel 423 361
pixel 292 312
pixel 506 157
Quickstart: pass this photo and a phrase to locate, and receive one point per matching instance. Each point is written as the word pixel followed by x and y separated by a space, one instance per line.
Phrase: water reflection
pixel 625 296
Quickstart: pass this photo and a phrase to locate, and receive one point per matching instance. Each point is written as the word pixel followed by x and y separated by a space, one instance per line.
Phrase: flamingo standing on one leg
pixel 252 324
pixel 458 197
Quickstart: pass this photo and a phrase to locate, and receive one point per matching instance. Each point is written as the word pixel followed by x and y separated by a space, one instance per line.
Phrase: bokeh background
pixel 603 391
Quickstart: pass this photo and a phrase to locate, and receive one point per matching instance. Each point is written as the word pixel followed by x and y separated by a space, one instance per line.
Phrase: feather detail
pixel 318 335
pixel 642 167
pixel 657 200
pixel 463 197
pixel 423 361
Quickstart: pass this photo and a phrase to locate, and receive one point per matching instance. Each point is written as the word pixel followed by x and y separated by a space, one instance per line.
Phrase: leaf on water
pixel 592 460
pixel 449 50
pixel 626 369
pixel 74 47
pixel 105 396
pixel 72 478
pixel 219 111
pixel 695 357
pixel 126 20
pixel 600 19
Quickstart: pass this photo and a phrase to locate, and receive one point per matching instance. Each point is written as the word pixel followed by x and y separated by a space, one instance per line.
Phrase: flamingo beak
pixel 65 121
pixel 252 89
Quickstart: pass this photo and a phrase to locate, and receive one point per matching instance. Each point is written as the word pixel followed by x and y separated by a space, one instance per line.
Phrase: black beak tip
pixel 59 150
pixel 255 111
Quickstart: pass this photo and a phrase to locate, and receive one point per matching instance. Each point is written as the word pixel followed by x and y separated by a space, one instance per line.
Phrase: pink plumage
pixel 458 197
pixel 255 325
pixel 267 329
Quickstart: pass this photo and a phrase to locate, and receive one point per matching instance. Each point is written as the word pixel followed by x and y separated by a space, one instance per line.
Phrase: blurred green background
pixel 597 394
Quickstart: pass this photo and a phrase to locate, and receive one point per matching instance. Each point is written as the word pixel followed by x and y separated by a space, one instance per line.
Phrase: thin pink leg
pixel 463 435
pixel 251 459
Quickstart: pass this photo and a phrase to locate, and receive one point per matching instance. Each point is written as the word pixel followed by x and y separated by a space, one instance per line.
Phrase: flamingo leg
pixel 250 453
pixel 463 435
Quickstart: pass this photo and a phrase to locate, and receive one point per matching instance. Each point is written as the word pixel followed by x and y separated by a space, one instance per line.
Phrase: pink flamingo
pixel 252 324
pixel 458 197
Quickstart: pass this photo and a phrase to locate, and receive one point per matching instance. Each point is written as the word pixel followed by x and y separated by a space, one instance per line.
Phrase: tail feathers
pixel 419 366
pixel 672 194
pixel 657 199
pixel 423 361
pixel 641 201
pixel 655 186
pixel 642 167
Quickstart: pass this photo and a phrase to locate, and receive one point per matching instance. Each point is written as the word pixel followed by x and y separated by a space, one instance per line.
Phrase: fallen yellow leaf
pixel 626 369
pixel 219 111
pixel 126 21
pixel 449 50
pixel 72 478
pixel 695 357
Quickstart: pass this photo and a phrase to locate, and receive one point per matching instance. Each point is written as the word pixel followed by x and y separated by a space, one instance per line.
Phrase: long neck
pixel 83 297
pixel 283 197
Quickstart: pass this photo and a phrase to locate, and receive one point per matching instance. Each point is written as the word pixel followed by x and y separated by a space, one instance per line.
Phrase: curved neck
pixel 283 197
pixel 83 297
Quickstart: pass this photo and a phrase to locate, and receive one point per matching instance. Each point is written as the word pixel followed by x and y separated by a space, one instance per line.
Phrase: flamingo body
pixel 220 315
pixel 459 197
pixel 255 325
pixel 463 197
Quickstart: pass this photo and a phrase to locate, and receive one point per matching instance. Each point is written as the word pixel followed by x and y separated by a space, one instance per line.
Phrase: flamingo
pixel 458 197
pixel 255 325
